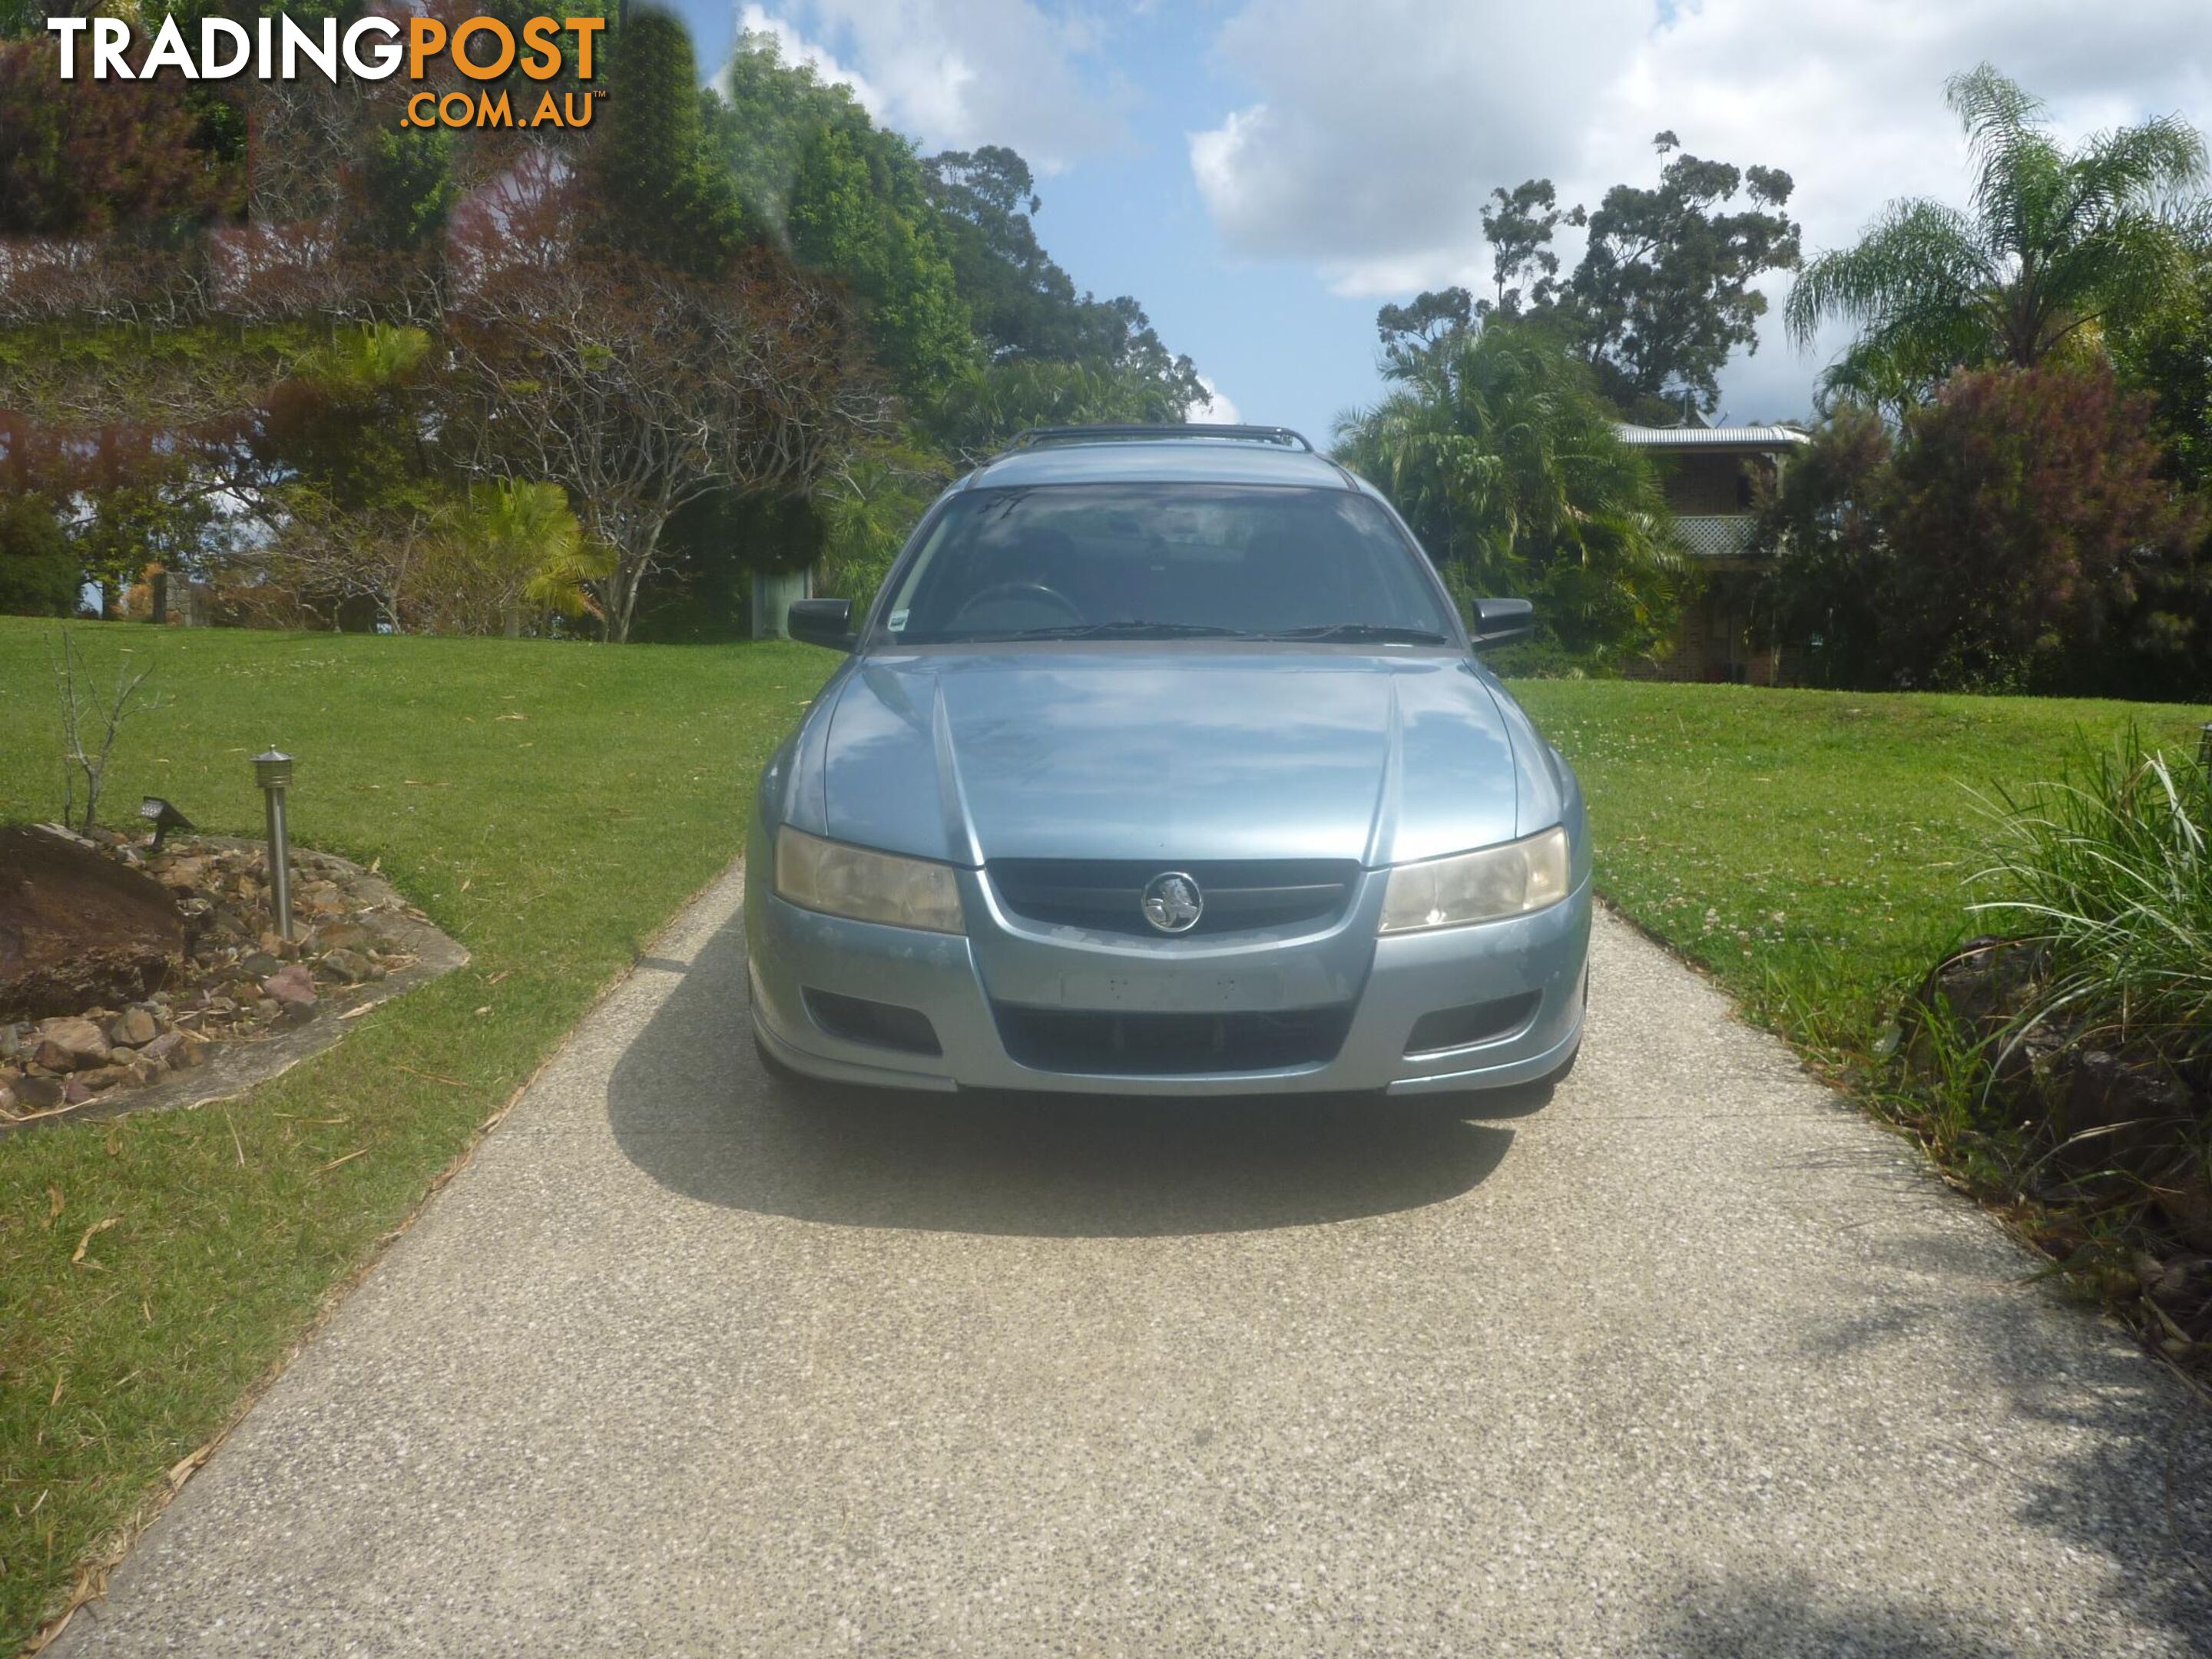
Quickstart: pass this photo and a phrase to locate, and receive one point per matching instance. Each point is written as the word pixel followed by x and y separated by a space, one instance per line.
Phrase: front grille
pixel 1170 1045
pixel 1241 895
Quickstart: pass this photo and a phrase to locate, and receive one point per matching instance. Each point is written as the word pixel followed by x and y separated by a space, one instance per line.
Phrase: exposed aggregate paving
pixel 1692 1360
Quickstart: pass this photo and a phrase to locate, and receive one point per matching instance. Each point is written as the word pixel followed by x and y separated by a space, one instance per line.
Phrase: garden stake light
pixel 273 772
pixel 165 818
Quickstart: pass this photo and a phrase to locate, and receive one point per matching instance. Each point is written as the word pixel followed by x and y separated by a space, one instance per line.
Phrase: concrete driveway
pixel 1690 1361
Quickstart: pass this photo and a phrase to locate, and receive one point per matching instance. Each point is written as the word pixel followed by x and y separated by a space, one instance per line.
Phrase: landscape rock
pixel 74 1093
pixel 348 965
pixel 164 1050
pixel 291 983
pixel 132 1027
pixel 36 1093
pixel 66 1043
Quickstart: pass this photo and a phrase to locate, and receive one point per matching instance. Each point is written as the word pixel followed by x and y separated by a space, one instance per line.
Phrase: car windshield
pixel 1165 561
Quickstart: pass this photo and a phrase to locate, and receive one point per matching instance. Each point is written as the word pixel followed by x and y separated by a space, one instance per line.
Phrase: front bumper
pixel 1381 986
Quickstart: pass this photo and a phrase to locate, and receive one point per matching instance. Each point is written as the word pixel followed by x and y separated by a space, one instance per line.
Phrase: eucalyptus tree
pixel 2055 245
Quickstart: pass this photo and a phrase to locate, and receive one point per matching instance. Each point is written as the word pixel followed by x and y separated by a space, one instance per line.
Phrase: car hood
pixel 1177 753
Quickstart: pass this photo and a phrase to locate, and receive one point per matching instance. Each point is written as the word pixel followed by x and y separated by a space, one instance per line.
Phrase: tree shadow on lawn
pixel 690 1106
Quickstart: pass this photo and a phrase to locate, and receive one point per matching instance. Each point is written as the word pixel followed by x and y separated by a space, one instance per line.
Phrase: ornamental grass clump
pixel 2108 872
pixel 2079 1038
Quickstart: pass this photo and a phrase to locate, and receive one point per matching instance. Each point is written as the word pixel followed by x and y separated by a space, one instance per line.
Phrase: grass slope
pixel 1811 848
pixel 550 805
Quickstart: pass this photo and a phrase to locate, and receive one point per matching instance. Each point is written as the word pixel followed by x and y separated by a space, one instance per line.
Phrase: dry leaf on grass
pixel 90 1233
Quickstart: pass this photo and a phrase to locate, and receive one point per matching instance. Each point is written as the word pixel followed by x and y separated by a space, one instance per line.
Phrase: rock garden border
pixel 360 945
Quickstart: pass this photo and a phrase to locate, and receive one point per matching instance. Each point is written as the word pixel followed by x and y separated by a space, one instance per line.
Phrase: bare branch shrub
pixel 91 720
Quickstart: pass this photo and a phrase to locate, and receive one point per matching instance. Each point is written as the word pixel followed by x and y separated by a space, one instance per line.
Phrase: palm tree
pixel 510 544
pixel 2055 245
pixel 1499 452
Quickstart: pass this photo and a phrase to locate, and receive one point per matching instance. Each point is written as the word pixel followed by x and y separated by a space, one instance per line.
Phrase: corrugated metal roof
pixel 1710 437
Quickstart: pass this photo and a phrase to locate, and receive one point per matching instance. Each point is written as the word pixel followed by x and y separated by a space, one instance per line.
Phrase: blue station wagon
pixel 1163 763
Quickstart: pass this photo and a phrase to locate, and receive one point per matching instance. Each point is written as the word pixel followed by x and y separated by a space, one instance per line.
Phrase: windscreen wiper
pixel 1133 629
pixel 1384 633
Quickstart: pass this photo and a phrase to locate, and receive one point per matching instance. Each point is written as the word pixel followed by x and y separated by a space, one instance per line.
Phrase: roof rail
pixel 1126 431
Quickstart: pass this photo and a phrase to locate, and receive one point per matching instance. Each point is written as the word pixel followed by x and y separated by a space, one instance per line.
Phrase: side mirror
pixel 1496 620
pixel 821 622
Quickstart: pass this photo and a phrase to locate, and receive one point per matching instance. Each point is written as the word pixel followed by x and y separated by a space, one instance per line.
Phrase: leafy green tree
pixel 1519 224
pixel 991 403
pixel 1503 457
pixel 1411 331
pixel 663 195
pixel 2056 244
pixel 766 114
pixel 1832 576
pixel 858 211
pixel 404 187
pixel 2167 351
pixel 504 548
pixel 1664 294
pixel 1024 305
pixel 2019 537
pixel 108 155
pixel 38 574
pixel 868 507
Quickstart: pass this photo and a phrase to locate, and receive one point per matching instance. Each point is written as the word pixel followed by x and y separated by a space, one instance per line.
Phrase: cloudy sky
pixel 1264 173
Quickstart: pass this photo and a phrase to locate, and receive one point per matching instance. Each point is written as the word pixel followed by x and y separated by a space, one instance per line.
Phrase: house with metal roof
pixel 1713 478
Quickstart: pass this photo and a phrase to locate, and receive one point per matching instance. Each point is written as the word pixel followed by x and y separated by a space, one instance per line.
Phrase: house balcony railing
pixel 1715 535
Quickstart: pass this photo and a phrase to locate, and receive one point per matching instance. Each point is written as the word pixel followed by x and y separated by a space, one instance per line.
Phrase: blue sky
pixel 1262 174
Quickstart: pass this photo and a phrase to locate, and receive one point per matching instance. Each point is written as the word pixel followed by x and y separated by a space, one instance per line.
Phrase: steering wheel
pixel 1022 590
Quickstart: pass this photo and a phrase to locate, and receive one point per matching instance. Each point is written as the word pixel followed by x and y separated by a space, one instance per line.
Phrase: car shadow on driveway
pixel 691 1107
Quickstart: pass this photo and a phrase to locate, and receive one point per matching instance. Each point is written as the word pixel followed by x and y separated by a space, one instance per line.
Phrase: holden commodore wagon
pixel 1163 763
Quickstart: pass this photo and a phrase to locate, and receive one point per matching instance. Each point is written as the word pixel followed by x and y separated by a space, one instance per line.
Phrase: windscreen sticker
pixel 898 621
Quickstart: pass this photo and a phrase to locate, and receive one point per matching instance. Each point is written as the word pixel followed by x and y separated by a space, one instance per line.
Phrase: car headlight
pixel 851 881
pixel 1496 882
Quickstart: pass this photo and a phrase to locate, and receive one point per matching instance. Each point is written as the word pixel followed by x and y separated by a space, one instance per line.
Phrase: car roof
pixel 1178 460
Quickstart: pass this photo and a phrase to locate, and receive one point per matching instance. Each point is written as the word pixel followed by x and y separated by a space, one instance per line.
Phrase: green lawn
pixel 550 805
pixel 1812 848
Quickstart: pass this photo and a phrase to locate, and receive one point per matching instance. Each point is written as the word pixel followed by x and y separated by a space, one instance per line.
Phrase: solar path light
pixel 273 772
pixel 2204 749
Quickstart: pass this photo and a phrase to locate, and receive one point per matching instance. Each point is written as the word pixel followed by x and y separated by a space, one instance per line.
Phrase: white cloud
pixel 1377 133
pixel 1222 411
pixel 1371 165
pixel 959 73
